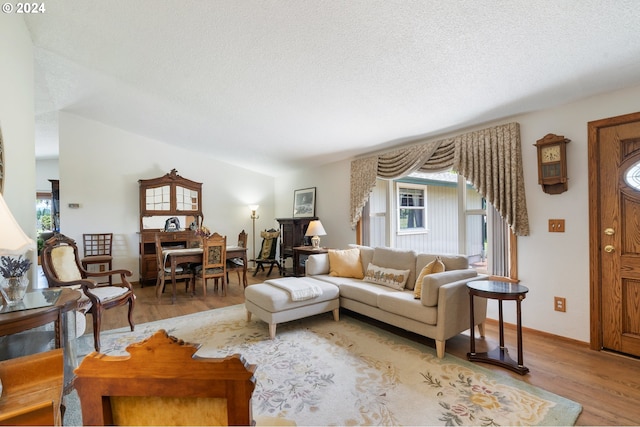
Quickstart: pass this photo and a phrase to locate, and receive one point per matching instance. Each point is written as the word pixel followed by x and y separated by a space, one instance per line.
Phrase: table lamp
pixel 13 241
pixel 315 229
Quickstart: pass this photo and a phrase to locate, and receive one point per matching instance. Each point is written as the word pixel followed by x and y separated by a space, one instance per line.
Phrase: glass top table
pixel 500 291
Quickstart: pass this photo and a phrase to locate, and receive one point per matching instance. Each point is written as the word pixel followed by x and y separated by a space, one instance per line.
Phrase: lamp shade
pixel 13 241
pixel 315 229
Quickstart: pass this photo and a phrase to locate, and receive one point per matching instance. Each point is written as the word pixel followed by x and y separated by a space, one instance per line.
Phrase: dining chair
pixel 162 382
pixel 214 262
pixel 237 264
pixel 97 250
pixel 267 254
pixel 183 272
pixel 62 267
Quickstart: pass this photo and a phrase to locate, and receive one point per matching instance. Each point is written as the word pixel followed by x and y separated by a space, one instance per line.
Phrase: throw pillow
pixel 345 263
pixel 435 266
pixel 390 277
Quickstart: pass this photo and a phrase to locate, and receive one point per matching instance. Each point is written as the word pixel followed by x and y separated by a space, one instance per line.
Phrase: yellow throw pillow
pixel 345 263
pixel 435 266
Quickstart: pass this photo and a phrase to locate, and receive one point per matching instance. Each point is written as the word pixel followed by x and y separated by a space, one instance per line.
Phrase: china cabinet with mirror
pixel 161 200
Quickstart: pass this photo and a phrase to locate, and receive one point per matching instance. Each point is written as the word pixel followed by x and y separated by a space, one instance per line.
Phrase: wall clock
pixel 552 163
pixel 1 164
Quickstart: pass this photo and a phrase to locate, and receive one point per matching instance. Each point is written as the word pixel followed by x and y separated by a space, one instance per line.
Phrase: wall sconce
pixel 254 216
pixel 315 229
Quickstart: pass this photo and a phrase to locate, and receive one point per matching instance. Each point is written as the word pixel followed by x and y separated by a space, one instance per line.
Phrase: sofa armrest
pixel 453 309
pixel 432 282
pixel 317 264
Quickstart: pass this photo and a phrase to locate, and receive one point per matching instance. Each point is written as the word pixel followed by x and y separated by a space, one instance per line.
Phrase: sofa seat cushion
pixel 432 282
pixel 404 304
pixel 364 292
pixel 274 300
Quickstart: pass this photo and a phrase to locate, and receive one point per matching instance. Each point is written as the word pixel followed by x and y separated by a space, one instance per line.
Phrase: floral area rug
pixel 321 372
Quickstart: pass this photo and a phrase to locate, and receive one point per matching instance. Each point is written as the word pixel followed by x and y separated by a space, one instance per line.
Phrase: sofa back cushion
pixel 366 255
pixel 398 259
pixel 451 261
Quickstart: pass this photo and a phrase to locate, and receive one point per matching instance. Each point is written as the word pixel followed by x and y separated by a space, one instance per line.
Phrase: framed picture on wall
pixel 304 203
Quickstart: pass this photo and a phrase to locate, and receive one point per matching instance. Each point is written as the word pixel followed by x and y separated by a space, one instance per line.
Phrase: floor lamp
pixel 254 216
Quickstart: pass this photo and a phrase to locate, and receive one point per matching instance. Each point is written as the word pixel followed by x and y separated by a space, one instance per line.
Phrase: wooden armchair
pixel 61 266
pixel 162 383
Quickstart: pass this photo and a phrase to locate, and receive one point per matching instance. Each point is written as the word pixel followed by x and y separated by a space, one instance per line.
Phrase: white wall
pixel 550 264
pixel 100 167
pixel 332 200
pixel 17 123
pixel 46 170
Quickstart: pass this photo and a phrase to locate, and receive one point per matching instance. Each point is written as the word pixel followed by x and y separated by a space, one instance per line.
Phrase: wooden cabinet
pixel 292 232
pixel 162 199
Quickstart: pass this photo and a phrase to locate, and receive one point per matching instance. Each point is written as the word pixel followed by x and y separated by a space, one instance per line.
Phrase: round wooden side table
pixel 500 291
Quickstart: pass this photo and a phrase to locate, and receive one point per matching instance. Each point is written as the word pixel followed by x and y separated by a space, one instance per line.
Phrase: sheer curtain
pixel 490 159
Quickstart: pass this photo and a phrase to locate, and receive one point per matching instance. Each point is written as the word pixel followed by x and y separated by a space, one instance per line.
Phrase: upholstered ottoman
pixel 290 298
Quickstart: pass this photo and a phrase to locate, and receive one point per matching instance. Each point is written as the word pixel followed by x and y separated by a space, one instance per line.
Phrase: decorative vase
pixel 14 288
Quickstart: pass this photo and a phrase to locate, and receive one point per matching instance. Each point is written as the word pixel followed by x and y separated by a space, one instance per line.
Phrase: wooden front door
pixel 614 198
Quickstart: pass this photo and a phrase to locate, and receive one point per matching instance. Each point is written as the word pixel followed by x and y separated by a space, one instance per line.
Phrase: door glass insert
pixel 632 176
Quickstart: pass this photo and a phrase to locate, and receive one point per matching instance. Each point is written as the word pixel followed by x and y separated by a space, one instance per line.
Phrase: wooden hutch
pixel 292 232
pixel 163 198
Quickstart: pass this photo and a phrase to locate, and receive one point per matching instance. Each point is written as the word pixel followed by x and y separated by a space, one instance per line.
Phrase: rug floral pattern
pixel 321 372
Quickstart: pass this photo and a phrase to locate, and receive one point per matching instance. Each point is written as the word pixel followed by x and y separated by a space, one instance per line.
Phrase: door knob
pixel 609 249
pixel 609 231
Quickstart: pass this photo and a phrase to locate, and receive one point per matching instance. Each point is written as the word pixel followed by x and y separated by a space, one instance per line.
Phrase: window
pixel 456 214
pixel 43 212
pixel 411 208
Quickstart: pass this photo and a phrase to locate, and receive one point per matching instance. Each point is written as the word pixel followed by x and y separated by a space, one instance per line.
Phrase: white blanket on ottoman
pixel 300 288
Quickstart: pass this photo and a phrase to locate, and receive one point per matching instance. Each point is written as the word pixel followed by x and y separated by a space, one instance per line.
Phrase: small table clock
pixel 552 163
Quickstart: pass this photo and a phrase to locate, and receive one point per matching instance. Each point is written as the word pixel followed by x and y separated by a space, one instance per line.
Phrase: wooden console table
pixel 300 255
pixel 500 291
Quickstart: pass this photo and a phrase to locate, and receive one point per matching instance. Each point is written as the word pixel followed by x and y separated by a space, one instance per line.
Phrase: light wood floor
pixel 606 385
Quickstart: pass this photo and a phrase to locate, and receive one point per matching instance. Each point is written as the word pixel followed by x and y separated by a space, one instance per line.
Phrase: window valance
pixel 490 159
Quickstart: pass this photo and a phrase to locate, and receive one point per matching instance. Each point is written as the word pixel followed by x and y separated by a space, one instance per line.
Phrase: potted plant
pixel 14 281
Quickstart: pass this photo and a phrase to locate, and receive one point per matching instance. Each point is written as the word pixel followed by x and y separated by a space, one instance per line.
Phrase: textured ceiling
pixel 276 85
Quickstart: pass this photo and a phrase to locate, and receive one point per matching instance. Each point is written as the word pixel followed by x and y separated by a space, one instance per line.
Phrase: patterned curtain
pixel 490 159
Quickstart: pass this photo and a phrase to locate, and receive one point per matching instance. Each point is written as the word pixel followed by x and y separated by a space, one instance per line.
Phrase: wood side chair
pixel 237 264
pixel 183 272
pixel 267 253
pixel 214 262
pixel 62 267
pixel 97 250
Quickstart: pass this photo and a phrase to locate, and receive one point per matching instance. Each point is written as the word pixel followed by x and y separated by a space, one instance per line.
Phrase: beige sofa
pixel 439 311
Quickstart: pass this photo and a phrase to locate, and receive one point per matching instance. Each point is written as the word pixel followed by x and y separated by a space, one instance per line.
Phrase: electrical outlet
pixel 560 304
pixel 556 226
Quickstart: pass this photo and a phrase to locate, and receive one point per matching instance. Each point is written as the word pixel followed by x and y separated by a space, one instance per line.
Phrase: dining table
pixel 194 255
